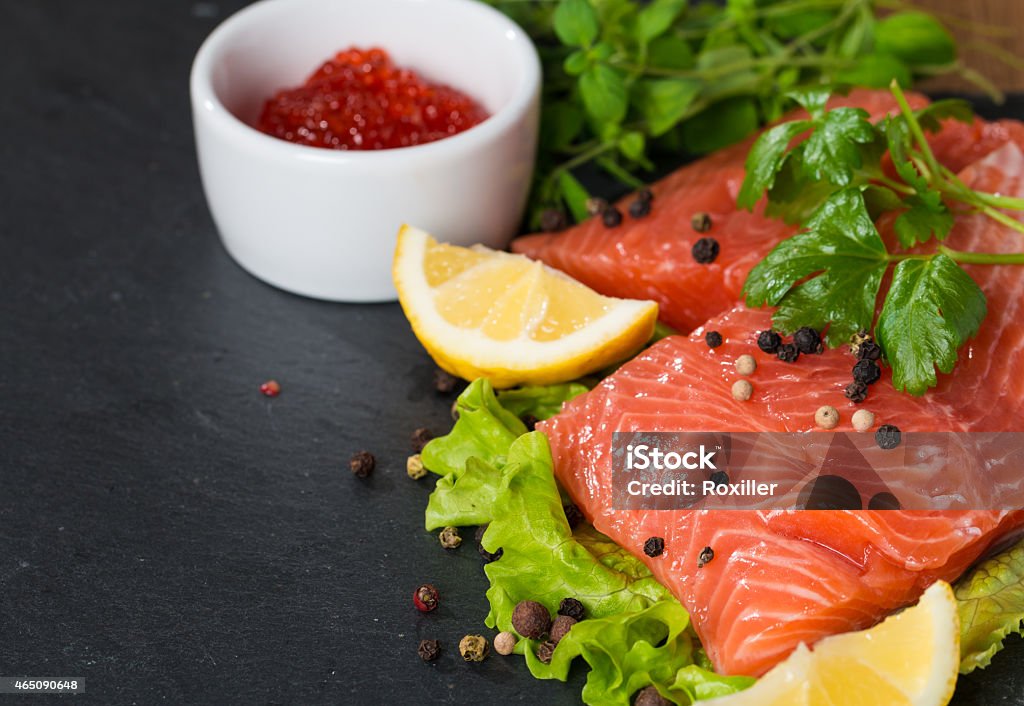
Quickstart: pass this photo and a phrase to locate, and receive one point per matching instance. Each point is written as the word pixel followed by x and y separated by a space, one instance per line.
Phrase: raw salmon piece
pixel 959 144
pixel 650 258
pixel 781 578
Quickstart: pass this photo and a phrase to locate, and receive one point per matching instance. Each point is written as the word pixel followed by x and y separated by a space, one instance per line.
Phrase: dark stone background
pixel 167 533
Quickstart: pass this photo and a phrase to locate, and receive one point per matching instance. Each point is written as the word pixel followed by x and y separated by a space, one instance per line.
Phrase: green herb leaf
pixel 561 122
pixel 655 19
pixel 721 125
pixel 663 102
pixel 832 152
pixel 812 100
pixel 632 144
pixel 667 52
pixel 875 71
pixel 932 308
pixel 604 93
pixel 917 38
pixel 990 601
pixel 574 194
pixel 793 197
pixel 844 258
pixel 926 217
pixel 765 160
pixel 576 63
pixel 576 23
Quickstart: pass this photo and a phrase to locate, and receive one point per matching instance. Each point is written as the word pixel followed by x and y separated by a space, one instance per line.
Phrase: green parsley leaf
pixel 663 102
pixel 575 23
pixel 897 138
pixel 832 151
pixel 844 258
pixel 930 116
pixel 793 197
pixel 604 93
pixel 932 308
pixel 766 158
pixel 926 217
pixel 812 100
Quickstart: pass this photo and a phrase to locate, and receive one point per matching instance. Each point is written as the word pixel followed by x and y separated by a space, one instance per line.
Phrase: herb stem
pixel 897 186
pixel 915 127
pixel 983 258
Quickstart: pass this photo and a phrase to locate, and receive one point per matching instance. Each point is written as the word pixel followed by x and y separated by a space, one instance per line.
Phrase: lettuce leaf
pixel 539 401
pixel 990 600
pixel 636 633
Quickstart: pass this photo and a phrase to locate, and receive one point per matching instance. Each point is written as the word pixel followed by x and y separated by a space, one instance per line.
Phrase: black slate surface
pixel 166 533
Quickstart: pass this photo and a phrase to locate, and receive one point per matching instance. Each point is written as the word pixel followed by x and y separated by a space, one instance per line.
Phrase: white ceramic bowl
pixel 323 222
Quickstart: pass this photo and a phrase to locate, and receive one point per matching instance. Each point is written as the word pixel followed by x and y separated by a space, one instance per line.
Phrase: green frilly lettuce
pixel 636 633
pixel 990 600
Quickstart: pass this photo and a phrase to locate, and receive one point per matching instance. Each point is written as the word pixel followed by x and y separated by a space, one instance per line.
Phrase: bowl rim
pixel 205 100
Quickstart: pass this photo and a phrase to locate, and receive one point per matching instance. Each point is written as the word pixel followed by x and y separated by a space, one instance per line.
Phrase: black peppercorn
pixel 869 350
pixel 856 392
pixel 769 341
pixel 488 557
pixel 701 222
pixel 645 194
pixel 807 340
pixel 788 353
pixel 706 555
pixel 649 696
pixel 611 217
pixel 560 627
pixel 429 650
pixel 362 463
pixel 654 546
pixel 419 439
pixel 888 436
pixel 867 372
pixel 573 515
pixel 444 382
pixel 713 339
pixel 639 208
pixel 531 619
pixel 552 220
pixel 719 478
pixel 705 251
pixel 572 608
pixel 545 650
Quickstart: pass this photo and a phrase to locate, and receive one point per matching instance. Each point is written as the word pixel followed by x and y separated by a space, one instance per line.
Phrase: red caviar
pixel 360 100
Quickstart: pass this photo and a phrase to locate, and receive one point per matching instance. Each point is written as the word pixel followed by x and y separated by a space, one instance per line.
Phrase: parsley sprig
pixel 826 172
pixel 626 81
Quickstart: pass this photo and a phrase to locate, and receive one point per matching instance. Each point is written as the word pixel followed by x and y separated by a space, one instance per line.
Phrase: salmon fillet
pixel 650 258
pixel 781 578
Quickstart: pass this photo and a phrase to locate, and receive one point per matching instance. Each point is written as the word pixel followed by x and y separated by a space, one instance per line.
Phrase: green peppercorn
pixel 473 648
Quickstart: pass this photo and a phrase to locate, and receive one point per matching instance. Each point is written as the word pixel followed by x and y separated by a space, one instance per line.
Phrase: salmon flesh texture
pixel 650 257
pixel 779 578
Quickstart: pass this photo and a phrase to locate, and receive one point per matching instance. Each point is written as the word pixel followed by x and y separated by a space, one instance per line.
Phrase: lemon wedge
pixel 483 313
pixel 909 659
